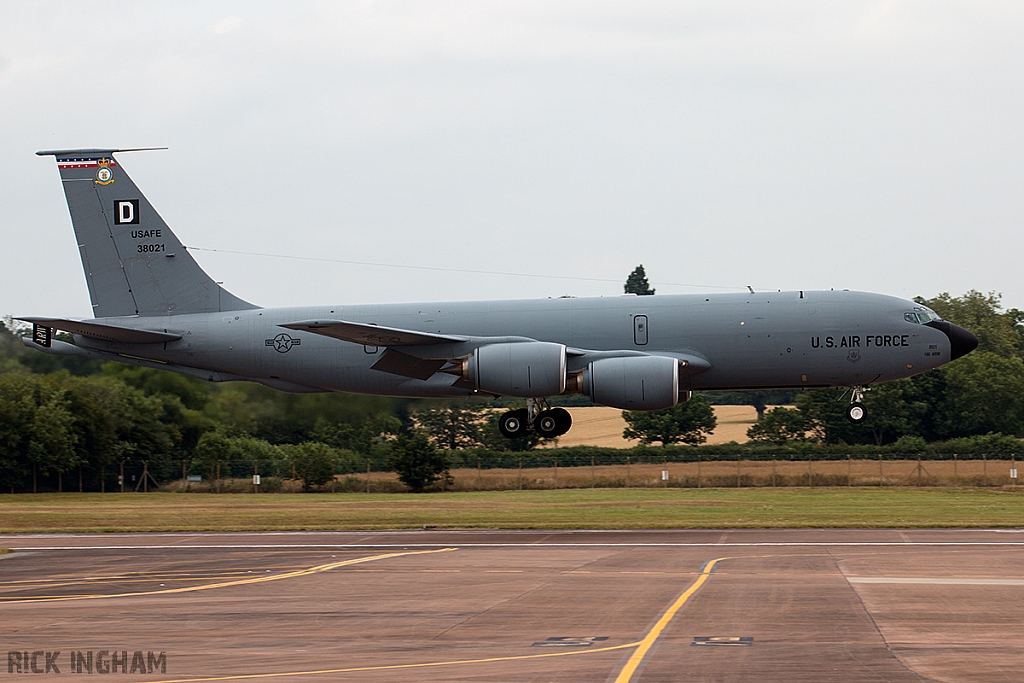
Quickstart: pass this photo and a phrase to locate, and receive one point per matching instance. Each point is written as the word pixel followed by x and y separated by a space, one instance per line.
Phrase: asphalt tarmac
pixel 747 605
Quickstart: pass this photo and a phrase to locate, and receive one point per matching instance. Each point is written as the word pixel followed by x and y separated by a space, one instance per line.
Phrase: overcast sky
pixel 783 145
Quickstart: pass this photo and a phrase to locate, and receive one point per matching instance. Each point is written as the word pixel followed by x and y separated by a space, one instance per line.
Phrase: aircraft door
pixel 640 330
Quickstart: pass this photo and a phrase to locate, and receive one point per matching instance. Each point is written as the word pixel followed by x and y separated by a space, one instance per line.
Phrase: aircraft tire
pixel 552 423
pixel 563 418
pixel 856 413
pixel 546 424
pixel 514 424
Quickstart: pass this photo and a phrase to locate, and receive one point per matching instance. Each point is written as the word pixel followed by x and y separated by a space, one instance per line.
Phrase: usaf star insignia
pixel 283 343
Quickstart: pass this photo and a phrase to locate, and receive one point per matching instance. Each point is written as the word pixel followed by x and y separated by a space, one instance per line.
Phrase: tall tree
pixel 759 399
pixel 779 427
pixel 417 463
pixel 637 282
pixel 36 428
pixel 455 425
pixel 314 463
pixel 368 437
pixel 983 394
pixel 687 423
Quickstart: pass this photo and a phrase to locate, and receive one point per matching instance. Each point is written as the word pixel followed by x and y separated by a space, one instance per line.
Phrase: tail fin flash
pixel 134 264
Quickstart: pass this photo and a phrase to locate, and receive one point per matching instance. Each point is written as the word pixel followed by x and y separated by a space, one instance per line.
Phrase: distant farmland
pixel 599 426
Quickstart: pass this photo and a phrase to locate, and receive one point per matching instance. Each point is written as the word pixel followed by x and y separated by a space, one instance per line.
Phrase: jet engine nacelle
pixel 634 382
pixel 523 369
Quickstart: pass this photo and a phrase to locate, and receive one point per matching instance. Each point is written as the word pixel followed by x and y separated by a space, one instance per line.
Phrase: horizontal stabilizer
pixel 370 335
pixel 57 348
pixel 92 150
pixel 104 332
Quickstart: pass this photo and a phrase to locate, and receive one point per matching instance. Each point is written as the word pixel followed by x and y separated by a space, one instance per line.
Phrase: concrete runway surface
pixel 745 605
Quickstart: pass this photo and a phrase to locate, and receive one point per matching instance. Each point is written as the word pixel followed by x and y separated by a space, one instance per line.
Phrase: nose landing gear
pixel 856 412
pixel 548 423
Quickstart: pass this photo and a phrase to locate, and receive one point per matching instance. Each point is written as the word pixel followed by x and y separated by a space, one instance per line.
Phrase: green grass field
pixel 556 509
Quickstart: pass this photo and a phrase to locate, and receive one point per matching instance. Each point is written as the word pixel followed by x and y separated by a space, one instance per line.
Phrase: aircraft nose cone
pixel 961 341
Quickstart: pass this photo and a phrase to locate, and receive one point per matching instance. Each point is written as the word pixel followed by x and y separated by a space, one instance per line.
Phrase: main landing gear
pixel 548 423
pixel 856 412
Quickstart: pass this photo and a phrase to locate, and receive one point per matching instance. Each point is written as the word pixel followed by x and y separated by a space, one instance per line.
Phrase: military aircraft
pixel 155 307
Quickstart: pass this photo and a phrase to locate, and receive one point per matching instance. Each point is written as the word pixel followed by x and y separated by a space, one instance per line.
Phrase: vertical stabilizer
pixel 134 264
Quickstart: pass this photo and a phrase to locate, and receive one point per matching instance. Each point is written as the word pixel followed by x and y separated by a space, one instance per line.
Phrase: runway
pixel 745 605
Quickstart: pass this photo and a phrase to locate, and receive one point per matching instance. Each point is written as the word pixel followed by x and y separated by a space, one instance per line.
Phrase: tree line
pixel 69 415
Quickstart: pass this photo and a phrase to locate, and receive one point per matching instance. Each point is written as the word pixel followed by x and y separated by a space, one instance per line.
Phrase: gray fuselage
pixel 751 340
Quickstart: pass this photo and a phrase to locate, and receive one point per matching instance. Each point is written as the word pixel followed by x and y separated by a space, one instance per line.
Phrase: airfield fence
pixel 561 468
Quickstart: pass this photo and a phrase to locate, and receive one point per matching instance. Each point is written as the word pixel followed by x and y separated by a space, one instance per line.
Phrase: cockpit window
pixel 924 315
pixel 910 317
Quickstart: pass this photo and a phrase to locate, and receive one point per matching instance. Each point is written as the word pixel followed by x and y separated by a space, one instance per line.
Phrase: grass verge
pixel 559 509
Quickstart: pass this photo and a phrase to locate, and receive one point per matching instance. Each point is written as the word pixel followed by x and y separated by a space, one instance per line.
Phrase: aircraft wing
pixel 371 335
pixel 426 353
pixel 104 331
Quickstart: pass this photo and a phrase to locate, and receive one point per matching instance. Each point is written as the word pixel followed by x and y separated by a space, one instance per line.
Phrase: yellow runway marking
pixel 625 676
pixel 226 584
pixel 637 658
pixel 151 575
pixel 139 576
pixel 390 667
pixel 108 581
pixel 609 573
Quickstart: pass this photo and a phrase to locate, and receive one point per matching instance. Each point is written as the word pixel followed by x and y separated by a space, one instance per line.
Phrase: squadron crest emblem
pixel 104 176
